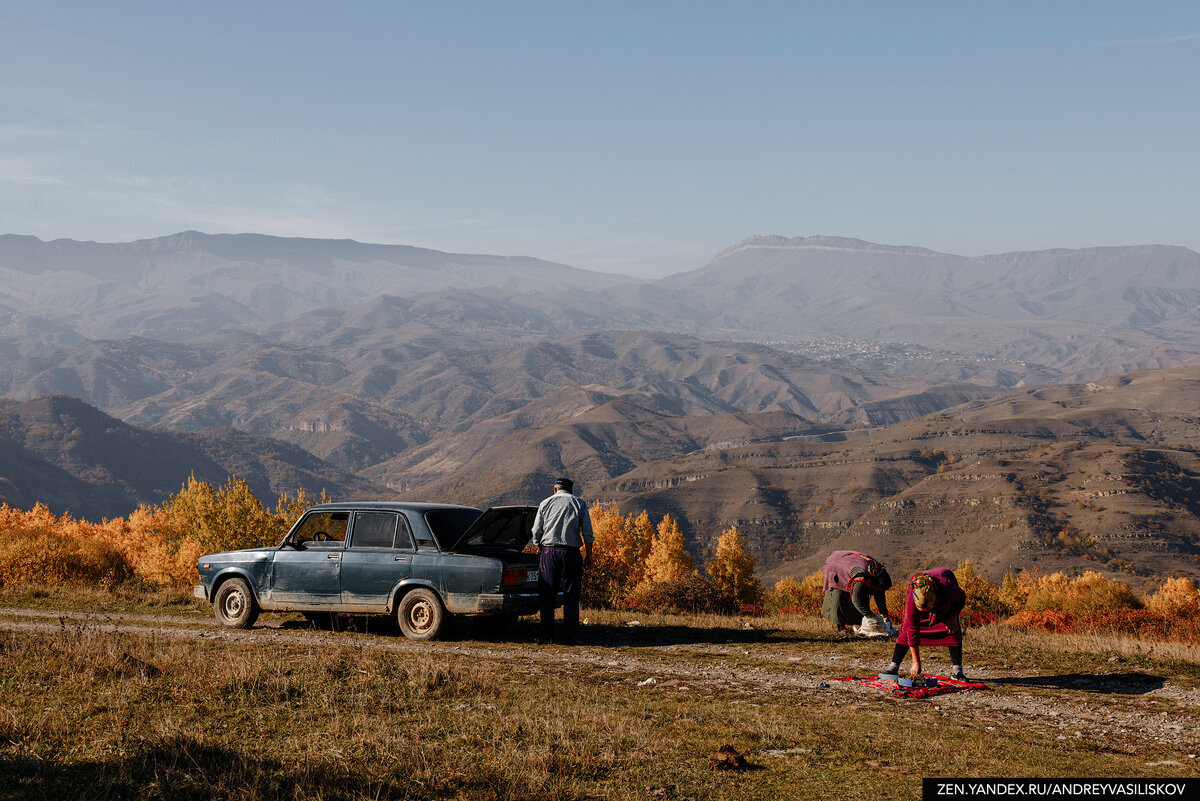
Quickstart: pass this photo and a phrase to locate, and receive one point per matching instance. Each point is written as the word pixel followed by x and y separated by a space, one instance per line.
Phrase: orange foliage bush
pixel 804 597
pixel 1177 597
pixel 1140 623
pixel 1086 594
pixel 984 599
pixel 54 559
pixel 159 545
pixel 694 593
pixel 1052 620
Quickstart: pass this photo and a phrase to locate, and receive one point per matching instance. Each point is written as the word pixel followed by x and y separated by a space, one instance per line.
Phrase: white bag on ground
pixel 873 627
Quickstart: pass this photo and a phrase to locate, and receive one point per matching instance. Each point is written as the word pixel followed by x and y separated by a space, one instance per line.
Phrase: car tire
pixel 420 614
pixel 234 604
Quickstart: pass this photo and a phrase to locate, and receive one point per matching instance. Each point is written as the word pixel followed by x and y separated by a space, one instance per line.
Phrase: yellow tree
pixel 668 561
pixel 632 537
pixel 219 519
pixel 289 508
pixel 732 569
pixel 602 587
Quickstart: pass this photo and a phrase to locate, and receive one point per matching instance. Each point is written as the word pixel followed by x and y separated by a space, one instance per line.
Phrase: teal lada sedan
pixel 418 561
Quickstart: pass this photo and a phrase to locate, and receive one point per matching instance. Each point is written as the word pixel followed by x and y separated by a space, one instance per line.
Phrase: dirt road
pixel 1121 707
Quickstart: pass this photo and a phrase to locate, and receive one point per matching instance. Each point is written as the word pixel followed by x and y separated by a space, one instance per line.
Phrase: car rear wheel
pixel 234 604
pixel 420 614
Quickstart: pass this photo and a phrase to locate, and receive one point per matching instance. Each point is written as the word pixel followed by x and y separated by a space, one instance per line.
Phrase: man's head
pixel 564 484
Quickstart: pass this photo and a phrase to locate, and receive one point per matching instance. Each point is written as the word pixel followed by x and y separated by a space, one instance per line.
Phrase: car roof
pixel 392 506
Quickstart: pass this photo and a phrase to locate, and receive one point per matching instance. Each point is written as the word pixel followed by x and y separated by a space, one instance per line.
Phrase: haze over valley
pixel 815 391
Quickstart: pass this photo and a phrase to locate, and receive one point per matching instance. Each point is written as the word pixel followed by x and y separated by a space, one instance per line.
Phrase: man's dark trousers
pixel 559 569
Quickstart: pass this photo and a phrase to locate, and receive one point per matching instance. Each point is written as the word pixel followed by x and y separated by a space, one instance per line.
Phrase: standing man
pixel 562 526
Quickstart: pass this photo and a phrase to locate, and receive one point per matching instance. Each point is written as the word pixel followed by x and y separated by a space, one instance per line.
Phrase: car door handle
pixel 332 556
pixel 401 558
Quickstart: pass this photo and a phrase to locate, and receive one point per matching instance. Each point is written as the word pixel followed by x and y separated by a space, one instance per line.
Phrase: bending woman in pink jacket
pixel 931 610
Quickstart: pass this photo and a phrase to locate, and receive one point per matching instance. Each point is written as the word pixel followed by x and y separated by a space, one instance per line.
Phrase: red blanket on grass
pixel 944 685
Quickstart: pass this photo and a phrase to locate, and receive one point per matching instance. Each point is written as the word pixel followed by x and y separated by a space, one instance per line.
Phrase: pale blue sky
pixel 635 137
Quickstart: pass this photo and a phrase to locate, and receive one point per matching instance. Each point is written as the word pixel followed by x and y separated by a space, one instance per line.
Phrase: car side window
pixel 319 527
pixel 404 539
pixel 379 530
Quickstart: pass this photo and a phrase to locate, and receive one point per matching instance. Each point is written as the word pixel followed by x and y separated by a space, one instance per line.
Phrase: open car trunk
pixel 502 531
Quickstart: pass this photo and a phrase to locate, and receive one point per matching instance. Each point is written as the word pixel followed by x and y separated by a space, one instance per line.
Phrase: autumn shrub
pixel 1051 620
pixel 690 594
pixel 158 546
pixel 53 559
pixel 1137 623
pixel 218 518
pixel 985 601
pixel 1177 597
pixel 792 597
pixel 1086 594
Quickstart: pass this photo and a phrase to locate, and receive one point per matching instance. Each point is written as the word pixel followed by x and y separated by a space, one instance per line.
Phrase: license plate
pixel 533 575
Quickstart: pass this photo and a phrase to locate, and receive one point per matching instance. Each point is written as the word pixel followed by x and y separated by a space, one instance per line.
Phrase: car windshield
pixel 448 525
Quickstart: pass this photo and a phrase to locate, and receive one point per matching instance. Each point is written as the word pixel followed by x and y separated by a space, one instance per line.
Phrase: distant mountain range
pixel 1035 316
pixel 178 287
pixel 475 378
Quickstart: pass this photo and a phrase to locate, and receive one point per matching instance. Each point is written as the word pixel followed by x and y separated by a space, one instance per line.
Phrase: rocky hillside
pixel 72 457
pixel 360 391
pixel 1101 475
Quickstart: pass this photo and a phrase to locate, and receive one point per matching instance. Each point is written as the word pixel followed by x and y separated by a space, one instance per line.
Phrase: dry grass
pixel 297 714
pixel 1181 657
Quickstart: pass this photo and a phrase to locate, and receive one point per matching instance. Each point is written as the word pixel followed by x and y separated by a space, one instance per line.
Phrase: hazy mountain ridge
pixel 191 284
pixel 992 305
pixel 1053 310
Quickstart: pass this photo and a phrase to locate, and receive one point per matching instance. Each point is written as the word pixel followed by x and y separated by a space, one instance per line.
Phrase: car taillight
pixel 514 576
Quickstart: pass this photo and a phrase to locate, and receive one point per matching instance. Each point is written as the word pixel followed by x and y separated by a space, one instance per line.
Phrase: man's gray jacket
pixel 562 519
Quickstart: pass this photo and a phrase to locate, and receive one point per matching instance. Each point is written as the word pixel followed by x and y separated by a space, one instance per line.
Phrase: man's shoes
pixel 959 675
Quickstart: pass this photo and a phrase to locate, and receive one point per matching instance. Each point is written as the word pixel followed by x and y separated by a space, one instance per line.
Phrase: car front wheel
pixel 420 614
pixel 234 604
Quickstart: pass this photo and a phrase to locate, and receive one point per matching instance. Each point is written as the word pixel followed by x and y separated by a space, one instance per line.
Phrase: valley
pixel 1026 410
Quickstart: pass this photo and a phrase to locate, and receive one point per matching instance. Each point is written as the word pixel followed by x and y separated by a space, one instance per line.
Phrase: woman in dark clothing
pixel 852 579
pixel 931 610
